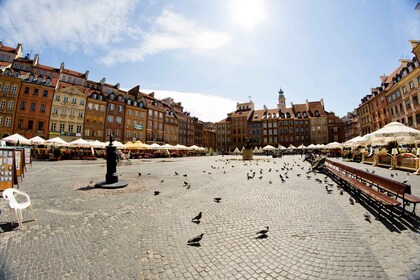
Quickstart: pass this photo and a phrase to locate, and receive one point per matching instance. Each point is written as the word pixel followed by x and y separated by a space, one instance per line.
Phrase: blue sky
pixel 211 54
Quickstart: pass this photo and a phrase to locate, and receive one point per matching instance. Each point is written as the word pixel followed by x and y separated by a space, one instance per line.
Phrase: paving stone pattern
pixel 85 233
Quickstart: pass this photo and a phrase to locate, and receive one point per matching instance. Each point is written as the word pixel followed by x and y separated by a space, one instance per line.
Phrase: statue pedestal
pixel 247 155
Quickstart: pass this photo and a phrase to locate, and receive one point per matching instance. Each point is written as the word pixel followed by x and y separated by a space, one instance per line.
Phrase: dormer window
pixel 7 72
pixel 16 74
pixel 282 115
pixel 100 97
pixel 316 114
pixel 48 81
pixel 288 115
pixel 129 102
pixel 94 96
pixel 119 98
pixel 298 115
pixel 111 96
pixel 305 115
pixel 39 80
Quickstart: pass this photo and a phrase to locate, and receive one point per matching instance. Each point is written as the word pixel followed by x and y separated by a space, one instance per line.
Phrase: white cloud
pixel 70 25
pixel 170 31
pixel 205 107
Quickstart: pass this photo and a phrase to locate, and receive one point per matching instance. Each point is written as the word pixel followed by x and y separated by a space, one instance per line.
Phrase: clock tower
pixel 282 100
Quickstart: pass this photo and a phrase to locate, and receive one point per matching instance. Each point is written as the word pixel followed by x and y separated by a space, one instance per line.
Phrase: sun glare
pixel 247 13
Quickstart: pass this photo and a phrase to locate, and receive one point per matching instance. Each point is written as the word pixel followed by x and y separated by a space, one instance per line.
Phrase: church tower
pixel 282 100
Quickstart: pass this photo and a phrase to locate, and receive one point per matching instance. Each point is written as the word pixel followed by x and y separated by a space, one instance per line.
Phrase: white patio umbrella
pixel 37 140
pixel 392 131
pixel 97 144
pixel 180 147
pixel 57 141
pixel 291 147
pixel 260 150
pixel 116 144
pixel 319 146
pixel 255 150
pixel 236 151
pixel 334 145
pixel 311 146
pixel 269 148
pixel 280 147
pixel 168 147
pixel 80 143
pixel 356 141
pixel 194 148
pixel 155 146
pixel 301 147
pixel 15 138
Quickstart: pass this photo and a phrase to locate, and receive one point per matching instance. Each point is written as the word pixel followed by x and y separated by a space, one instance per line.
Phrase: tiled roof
pixel 45 67
pixel 7 49
pixel 316 106
pixel 62 84
pixel 5 64
pixel 74 73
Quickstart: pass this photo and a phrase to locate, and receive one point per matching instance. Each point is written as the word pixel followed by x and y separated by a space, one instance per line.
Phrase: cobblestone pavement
pixel 85 233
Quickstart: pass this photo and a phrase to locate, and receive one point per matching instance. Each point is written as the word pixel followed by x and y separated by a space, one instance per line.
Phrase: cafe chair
pixel 11 194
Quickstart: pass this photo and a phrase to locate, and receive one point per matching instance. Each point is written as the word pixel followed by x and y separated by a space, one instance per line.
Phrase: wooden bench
pixel 383 184
pixel 361 188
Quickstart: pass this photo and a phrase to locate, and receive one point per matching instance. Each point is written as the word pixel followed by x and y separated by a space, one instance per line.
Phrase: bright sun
pixel 247 13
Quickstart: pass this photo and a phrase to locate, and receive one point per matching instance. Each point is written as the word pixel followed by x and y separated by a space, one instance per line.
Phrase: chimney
pixel 307 105
pixel 404 61
pixel 322 103
pixel 87 74
pixel 152 94
pixel 102 82
pixel 36 59
pixel 61 66
pixel 18 49
pixel 117 85
pixel 383 78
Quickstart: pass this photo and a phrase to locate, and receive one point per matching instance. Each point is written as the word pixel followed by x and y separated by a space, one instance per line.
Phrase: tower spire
pixel 282 100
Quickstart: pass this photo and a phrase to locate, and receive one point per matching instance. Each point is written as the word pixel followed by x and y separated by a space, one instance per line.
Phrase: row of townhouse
pixel 299 124
pixel 39 100
pixel 396 99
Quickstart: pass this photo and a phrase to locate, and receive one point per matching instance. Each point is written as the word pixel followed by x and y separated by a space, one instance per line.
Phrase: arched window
pixel 111 96
pixel 7 72
pixel 298 115
pixel 288 115
pixel 282 115
pixel 316 114
pixel 94 96
pixel 305 115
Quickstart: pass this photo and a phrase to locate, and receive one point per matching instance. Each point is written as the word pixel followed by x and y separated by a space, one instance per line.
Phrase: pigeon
pixel 373 171
pixel 341 192
pixel 176 173
pixel 185 183
pixel 217 199
pixel 185 175
pixel 328 190
pixel 298 174
pixel 263 231
pixel 260 177
pixel 149 173
pixel 351 200
pixel 156 193
pixel 392 175
pixel 367 216
pixel 161 181
pixel 270 182
pixel 139 174
pixel 196 239
pixel 189 186
pixel 197 218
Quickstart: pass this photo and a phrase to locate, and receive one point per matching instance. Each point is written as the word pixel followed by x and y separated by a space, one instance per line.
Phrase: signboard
pixel 28 159
pixel 19 162
pixel 138 126
pixel 7 169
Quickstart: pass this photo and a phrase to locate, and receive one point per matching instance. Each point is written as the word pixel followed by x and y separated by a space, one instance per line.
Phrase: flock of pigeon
pixel 283 175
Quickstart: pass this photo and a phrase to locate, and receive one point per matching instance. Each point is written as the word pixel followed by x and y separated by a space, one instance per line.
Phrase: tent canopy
pixel 37 140
pixel 57 141
pixel 15 138
pixel 269 148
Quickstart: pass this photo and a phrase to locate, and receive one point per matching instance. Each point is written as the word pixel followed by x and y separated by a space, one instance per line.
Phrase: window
pixel 411 84
pixel 120 108
pixel 32 108
pixel 10 106
pixel 108 132
pixel 96 107
pixel 127 134
pixel 2 104
pixel 63 111
pixel 6 88
pixel 30 124
pixel 129 112
pixel 8 122
pixel 415 100
pixel 20 123
pixel 45 93
pixel 26 90
pixel 111 107
pixel 40 126
pixel 61 127
pixel 66 99
pixel 70 128
pixel 118 120
pixel 57 98
pixel 1 120
pixel 407 104
pixel 82 102
pixel 23 105
pixel 55 110
pixel 71 113
pixel 404 89
pixel 53 126
pixel 36 91
pixel 117 133
pixel 79 129
pixel 73 101
pixel 102 108
pixel 14 88
pixel 80 114
pixel 87 132
pixel 110 119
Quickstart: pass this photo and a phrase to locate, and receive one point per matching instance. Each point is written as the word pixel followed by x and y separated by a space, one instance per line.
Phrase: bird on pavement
pixel 189 186
pixel 328 190
pixel 367 216
pixel 263 231
pixel 351 200
pixel 156 193
pixel 139 174
pixel 161 181
pixel 197 218
pixel 185 183
pixel 196 239
pixel 270 182
pixel 185 175
pixel 149 173
pixel 341 192
pixel 176 173
pixel 217 199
